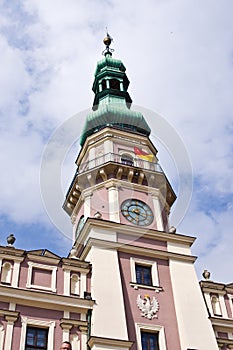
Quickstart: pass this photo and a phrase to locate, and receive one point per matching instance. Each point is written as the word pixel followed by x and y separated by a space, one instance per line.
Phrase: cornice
pixel 44 300
pixel 122 247
pixel 212 287
pixel 43 259
pixel 222 322
pixel 226 342
pixel 12 251
pixel 216 287
pixel 69 263
pixel 76 269
pixel 130 230
pixel 109 343
pixel 14 258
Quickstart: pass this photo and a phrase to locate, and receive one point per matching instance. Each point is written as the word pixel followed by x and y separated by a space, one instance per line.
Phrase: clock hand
pixel 138 212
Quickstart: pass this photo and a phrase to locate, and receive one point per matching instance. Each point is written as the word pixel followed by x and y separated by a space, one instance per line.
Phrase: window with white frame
pixel 41 276
pixel 144 272
pixel 149 340
pixel 36 338
pixel 36 334
pixel 150 337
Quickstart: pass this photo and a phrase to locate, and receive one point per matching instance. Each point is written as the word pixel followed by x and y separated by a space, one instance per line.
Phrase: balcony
pixel 120 167
pixel 119 159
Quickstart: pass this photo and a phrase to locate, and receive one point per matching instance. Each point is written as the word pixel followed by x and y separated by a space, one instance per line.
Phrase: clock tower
pixel 143 280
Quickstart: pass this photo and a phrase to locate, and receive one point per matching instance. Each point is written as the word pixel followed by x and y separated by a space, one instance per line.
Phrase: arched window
pixel 114 84
pixel 127 159
pixel 216 305
pixel 74 284
pixel 6 272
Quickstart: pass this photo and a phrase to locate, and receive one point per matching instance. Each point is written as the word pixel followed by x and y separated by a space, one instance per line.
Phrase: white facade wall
pixel 108 317
pixel 195 328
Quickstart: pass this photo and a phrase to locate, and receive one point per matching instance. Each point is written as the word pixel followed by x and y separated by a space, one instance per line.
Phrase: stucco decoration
pixel 148 307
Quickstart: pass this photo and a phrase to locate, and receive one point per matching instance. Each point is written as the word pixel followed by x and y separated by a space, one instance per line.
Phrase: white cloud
pixel 178 57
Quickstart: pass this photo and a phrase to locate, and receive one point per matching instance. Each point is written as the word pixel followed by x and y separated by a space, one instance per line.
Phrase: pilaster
pixel 158 212
pixel 11 317
pixel 113 202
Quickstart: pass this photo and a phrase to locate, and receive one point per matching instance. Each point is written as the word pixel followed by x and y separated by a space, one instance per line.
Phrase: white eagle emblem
pixel 147 306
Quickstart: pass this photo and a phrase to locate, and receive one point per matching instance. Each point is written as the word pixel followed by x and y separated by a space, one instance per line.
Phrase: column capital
pixel 83 329
pixel 10 316
pixel 111 185
pixel 86 194
pixel 67 324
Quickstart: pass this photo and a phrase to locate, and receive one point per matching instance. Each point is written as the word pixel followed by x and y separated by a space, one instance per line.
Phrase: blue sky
pixel 179 57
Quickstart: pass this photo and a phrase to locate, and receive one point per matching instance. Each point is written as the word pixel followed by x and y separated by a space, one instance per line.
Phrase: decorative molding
pixel 130 230
pixel 9 315
pixel 151 253
pixel 43 259
pixel 150 263
pixel 148 307
pixel 68 324
pixel 51 268
pixel 39 323
pixel 151 328
pixel 144 286
pixel 44 299
pixel 109 343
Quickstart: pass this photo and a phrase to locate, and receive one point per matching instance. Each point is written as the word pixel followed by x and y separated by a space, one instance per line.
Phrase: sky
pixel 179 59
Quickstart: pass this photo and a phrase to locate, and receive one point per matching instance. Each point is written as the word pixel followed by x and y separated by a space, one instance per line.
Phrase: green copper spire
pixel 112 101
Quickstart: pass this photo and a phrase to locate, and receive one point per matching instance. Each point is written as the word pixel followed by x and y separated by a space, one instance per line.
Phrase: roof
pixel 114 115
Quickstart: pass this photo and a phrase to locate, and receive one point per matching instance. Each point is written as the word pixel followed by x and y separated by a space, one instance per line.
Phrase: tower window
pixel 114 84
pixel 104 85
pixel 36 338
pixel 149 341
pixel 143 274
pixel 127 159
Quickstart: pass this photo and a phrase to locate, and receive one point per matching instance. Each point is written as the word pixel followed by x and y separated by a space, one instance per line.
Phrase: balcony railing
pixel 119 159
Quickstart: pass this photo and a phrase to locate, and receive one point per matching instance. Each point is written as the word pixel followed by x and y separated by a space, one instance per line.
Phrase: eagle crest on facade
pixel 148 307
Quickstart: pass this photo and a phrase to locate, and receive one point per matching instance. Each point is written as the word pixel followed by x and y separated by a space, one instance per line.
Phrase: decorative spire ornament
pixel 107 42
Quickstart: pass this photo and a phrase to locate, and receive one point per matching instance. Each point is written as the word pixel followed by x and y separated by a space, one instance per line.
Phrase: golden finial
pixel 107 41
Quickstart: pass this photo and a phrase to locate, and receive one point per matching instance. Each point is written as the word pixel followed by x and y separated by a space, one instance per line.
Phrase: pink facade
pixel 219 301
pixel 166 316
pixel 43 294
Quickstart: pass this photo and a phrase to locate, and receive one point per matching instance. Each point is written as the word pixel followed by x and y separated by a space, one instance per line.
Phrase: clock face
pixel 137 212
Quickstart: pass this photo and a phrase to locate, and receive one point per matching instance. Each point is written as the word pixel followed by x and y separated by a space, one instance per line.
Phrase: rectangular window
pixel 143 274
pixel 150 341
pixel 36 338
